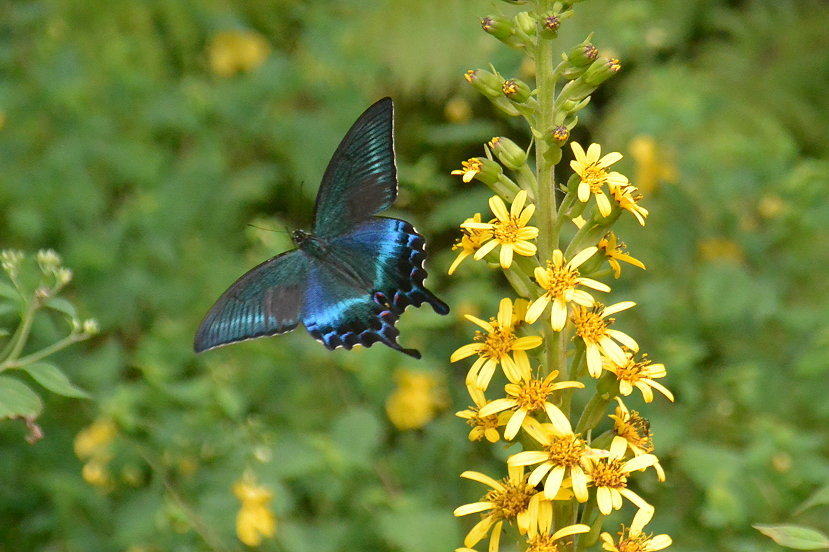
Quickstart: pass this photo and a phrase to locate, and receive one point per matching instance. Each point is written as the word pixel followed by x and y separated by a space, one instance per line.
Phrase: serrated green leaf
pixel 17 399
pixel 52 378
pixel 818 498
pixel 62 305
pixel 795 536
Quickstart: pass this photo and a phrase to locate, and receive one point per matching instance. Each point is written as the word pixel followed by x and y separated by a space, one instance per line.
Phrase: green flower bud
pixel 583 54
pixel 90 326
pixel 508 152
pixel 499 27
pixel 63 276
pixel 549 25
pixel 48 260
pixel 11 260
pixel 601 70
pixel 560 134
pixel 516 90
pixel 525 23
pixel 485 82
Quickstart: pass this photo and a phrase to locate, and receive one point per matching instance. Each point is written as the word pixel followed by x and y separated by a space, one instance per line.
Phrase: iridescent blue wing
pixel 370 276
pixel 361 178
pixel 267 300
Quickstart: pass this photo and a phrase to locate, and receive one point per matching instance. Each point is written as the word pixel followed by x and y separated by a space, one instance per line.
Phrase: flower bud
pixel 525 23
pixel 63 276
pixel 11 260
pixel 560 134
pixel 516 90
pixel 499 27
pixel 90 326
pixel 508 152
pixel 601 70
pixel 549 25
pixel 480 168
pixel 48 260
pixel 583 54
pixel 485 82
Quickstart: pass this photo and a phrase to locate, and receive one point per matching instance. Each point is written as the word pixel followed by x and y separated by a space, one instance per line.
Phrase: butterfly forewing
pixel 267 300
pixel 361 178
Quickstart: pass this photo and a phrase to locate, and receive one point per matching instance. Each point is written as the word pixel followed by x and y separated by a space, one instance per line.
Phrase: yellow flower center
pixel 608 473
pixel 531 395
pixel 472 166
pixel 497 344
pixel 594 176
pixel 507 231
pixel 484 422
pixel 635 430
pixel 566 450
pixel 542 543
pixel 633 543
pixel 590 326
pixel 561 279
pixel 512 500
pixel 633 371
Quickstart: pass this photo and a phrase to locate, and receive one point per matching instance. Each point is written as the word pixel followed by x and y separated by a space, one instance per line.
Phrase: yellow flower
pixel 641 375
pixel 94 445
pixel 559 281
pixel 628 198
pixel 255 519
pixel 482 426
pixel 609 474
pixel 593 173
pixel 614 252
pixel 564 454
pixel 635 431
pixel 509 230
pixel 653 164
pixel 526 396
pixel 512 500
pixel 470 242
pixel 592 328
pixel 633 539
pixel 544 542
pixel 238 51
pixel 418 397
pixel 499 345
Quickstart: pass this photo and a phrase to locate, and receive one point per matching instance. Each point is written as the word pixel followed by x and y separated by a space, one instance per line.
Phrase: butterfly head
pixel 300 237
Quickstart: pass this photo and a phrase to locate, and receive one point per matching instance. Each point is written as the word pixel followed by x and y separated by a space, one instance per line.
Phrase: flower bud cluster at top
pixel 552 339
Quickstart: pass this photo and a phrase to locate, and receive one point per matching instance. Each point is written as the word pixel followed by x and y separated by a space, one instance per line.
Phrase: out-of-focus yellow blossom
pixel 653 165
pixel 237 51
pixel 93 445
pixel 255 520
pixel 510 230
pixel 500 345
pixel 592 169
pixel 720 249
pixel 418 397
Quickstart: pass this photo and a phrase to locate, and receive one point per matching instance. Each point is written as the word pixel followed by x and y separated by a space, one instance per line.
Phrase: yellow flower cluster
pixel 255 520
pixel 564 461
pixel 418 397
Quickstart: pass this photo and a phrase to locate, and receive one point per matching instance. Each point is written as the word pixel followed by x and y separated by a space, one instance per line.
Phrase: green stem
pixel 70 339
pixel 14 347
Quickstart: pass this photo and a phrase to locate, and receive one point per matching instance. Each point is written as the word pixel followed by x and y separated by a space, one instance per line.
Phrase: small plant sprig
pixel 28 291
pixel 565 373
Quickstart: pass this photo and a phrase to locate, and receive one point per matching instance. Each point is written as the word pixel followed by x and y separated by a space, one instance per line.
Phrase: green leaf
pixel 10 292
pixel 818 498
pixel 52 378
pixel 795 536
pixel 62 305
pixel 17 400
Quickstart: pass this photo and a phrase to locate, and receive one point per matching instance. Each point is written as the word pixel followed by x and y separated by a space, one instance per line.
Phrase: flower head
pixel 499 345
pixel 594 174
pixel 559 281
pixel 544 542
pixel 563 454
pixel 470 242
pixel 512 500
pixel 610 475
pixel 526 396
pixel 640 374
pixel 509 230
pixel 633 539
pixel 418 397
pixel 485 170
pixel 483 426
pixel 635 431
pixel 628 198
pixel 614 251
pixel 232 52
pixel 255 519
pixel 599 340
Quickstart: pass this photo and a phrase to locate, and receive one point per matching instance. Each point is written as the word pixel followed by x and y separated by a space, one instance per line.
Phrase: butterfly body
pixel 350 280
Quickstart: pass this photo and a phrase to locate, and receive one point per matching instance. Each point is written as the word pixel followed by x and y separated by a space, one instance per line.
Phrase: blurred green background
pixel 139 139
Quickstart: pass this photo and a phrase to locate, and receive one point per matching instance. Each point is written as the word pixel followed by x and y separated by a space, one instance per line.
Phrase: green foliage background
pixel 121 150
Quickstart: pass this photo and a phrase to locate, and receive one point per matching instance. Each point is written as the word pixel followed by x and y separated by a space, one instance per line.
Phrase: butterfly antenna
pixel 269 229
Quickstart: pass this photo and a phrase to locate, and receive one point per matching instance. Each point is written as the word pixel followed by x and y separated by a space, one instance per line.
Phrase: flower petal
pixel 496 406
pixel 472 508
pixel 483 478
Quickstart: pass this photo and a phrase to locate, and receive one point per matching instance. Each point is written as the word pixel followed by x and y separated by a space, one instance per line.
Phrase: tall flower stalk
pixel 558 399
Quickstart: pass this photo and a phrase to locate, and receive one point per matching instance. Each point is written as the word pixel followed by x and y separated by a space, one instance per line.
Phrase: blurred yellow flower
pixel 418 397
pixel 255 520
pixel 237 51
pixel 653 164
pixel 92 444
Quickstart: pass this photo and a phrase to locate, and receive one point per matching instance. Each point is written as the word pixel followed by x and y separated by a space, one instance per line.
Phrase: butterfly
pixel 350 279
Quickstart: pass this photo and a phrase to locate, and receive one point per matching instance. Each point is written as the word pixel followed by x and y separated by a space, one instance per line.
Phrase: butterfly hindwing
pixel 361 178
pixel 267 300
pixel 371 275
